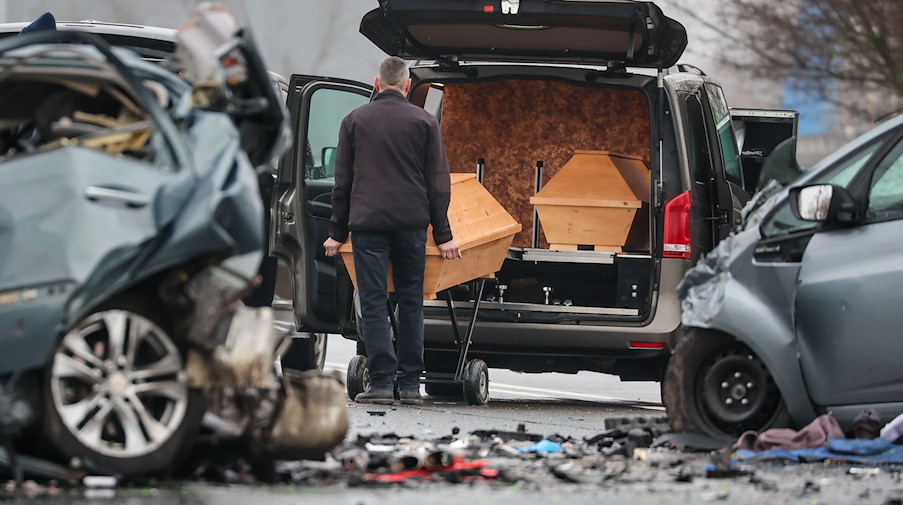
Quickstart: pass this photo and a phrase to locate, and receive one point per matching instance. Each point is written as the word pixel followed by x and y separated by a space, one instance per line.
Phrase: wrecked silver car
pixel 797 313
pixel 130 225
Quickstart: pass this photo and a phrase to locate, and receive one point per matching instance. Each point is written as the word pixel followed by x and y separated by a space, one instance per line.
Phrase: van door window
pixel 722 115
pixel 886 193
pixel 328 107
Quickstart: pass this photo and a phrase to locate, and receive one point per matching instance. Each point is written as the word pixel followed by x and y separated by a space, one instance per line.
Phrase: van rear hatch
pixel 634 34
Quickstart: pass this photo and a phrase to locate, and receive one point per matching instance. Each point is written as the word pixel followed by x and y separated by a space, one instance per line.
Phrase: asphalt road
pixel 551 403
pixel 547 404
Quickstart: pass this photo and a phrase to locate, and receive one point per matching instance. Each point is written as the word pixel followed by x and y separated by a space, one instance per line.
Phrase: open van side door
pixel 301 207
pixel 758 132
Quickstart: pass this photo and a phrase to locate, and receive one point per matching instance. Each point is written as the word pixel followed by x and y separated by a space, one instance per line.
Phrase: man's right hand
pixel 449 250
pixel 332 246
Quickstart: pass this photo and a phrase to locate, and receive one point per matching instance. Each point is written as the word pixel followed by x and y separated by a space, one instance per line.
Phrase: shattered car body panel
pixel 99 229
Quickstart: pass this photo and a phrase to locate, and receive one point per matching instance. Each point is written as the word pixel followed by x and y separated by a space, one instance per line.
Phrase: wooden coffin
pixel 592 202
pixel 480 225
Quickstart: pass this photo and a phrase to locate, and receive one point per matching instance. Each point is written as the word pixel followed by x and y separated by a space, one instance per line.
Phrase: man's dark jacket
pixel 391 171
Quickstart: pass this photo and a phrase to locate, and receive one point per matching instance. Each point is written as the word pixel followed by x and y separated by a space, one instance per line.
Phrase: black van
pixel 515 83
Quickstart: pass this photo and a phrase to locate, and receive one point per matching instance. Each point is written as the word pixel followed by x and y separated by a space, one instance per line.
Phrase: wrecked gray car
pixel 798 312
pixel 130 225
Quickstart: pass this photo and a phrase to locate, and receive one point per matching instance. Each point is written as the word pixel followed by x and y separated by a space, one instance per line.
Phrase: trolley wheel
pixel 447 389
pixel 358 378
pixel 476 382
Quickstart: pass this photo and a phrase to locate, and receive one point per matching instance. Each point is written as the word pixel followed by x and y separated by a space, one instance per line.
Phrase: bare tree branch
pixel 831 50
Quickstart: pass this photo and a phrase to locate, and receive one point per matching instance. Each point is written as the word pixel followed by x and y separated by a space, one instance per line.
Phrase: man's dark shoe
pixel 410 397
pixel 382 396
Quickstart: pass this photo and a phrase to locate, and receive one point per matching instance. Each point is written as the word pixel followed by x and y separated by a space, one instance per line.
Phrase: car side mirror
pixel 824 203
pixel 328 157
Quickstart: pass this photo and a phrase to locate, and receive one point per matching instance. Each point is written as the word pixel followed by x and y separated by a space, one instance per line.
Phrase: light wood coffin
pixel 481 227
pixel 592 201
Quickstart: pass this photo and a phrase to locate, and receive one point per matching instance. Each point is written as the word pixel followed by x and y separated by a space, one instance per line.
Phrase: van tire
pixel 697 400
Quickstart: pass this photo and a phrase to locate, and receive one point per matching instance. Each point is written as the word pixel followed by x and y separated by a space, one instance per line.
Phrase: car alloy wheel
pixel 117 384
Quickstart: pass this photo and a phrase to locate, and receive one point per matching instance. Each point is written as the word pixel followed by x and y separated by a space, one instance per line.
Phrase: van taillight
pixel 678 226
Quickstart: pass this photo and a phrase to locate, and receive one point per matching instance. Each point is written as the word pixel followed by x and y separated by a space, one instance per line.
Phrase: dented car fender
pixel 728 292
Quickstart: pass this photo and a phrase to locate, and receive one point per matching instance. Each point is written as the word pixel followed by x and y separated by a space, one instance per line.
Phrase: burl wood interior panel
pixel 512 124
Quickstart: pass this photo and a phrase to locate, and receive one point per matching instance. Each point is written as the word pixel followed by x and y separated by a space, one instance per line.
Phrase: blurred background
pixel 835 61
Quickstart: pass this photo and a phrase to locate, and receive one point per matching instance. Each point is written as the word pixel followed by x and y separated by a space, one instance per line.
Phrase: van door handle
pixel 118 196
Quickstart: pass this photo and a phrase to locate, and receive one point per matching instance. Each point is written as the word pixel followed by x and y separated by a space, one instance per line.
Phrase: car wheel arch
pixel 782 361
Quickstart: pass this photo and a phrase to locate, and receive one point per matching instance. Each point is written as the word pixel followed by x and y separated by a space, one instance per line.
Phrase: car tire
pixel 715 385
pixel 120 406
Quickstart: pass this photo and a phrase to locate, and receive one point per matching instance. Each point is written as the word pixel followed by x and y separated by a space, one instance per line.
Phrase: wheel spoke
pixel 74 343
pixel 135 439
pixel 168 365
pixel 74 414
pixel 155 429
pixel 138 331
pixel 173 389
pixel 92 430
pixel 115 322
pixel 65 366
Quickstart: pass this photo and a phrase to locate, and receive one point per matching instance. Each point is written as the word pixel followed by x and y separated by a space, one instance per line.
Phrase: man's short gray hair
pixel 393 72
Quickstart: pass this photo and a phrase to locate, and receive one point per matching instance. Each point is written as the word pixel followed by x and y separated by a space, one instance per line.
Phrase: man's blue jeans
pixel 406 250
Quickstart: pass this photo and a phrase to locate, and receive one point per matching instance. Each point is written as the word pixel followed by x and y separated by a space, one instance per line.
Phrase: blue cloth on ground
pixel 851 450
pixel 544 445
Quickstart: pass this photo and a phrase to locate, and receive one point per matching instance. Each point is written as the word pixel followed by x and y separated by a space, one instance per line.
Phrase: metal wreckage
pixel 130 228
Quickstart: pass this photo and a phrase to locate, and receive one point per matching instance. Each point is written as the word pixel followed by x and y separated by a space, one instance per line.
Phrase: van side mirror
pixel 825 203
pixel 328 157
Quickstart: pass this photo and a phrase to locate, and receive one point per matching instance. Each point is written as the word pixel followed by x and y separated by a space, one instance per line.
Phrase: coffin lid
pixel 633 33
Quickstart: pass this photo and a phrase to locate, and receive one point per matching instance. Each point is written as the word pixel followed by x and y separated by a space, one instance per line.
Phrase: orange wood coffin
pixel 592 201
pixel 480 225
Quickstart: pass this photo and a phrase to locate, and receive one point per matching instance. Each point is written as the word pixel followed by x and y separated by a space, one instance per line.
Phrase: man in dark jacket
pixel 391 182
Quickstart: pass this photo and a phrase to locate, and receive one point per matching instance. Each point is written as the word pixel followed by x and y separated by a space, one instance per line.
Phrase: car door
pixel 301 205
pixel 849 294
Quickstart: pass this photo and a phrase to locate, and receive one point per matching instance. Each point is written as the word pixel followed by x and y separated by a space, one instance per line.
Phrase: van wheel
pixel 476 382
pixel 116 396
pixel 717 386
pixel 358 377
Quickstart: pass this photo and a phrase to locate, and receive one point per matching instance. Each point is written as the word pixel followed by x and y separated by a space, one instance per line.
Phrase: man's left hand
pixel 449 250
pixel 332 246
